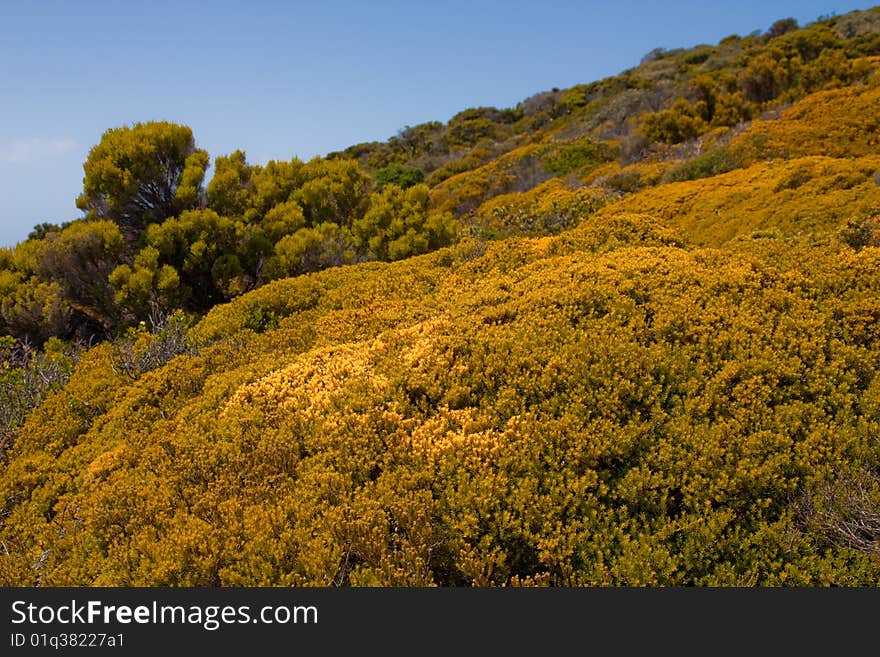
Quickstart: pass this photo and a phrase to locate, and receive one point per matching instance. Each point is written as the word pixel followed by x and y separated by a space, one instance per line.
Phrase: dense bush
pixel 548 208
pixel 575 155
pixel 808 198
pixel 397 174
pixel 573 410
pixel 26 377
pixel 675 125
pixel 139 351
pixel 710 163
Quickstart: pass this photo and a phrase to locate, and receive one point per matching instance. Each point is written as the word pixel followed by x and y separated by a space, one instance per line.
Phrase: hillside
pixel 626 333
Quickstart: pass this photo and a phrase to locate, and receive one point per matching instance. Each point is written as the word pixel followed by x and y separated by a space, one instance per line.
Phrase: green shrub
pixel 400 175
pixel 672 126
pixel 575 155
pixel 712 163
pixel 861 231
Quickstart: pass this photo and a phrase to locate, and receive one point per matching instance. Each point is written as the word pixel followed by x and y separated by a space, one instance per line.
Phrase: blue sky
pixel 285 79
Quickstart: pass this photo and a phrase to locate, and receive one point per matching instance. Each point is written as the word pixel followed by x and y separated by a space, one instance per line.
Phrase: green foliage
pixel 274 183
pixel 782 26
pixel 33 310
pixel 731 109
pixel 475 158
pixel 189 191
pixel 40 231
pixel 229 188
pixel 864 45
pixel 415 140
pixel 546 209
pixel 399 224
pixel 469 132
pixel 193 244
pixel 79 259
pixel 624 182
pixel 335 191
pixel 712 163
pixel 677 124
pixel 278 299
pixel 765 78
pixel 312 249
pixel 134 174
pixel 57 286
pixel 830 70
pixel 717 102
pixel 807 44
pixel 145 284
pixel 400 175
pixel 576 155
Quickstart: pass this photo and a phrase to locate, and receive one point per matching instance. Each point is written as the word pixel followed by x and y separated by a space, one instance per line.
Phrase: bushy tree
pixel 283 219
pixel 201 247
pixel 272 184
pixel 142 174
pixel 414 140
pixel 335 191
pixel 41 230
pixel 230 187
pixel 79 259
pixel 312 249
pixel 32 310
pixel 764 78
pixel 146 284
pixel 809 43
pixel 399 224
pixel 829 70
pixel 469 132
pixel 782 26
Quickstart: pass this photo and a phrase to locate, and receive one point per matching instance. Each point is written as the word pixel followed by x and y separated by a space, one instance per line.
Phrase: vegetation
pixel 625 333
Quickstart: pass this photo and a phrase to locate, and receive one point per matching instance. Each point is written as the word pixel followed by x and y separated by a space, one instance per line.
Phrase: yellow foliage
pixel 599 407
pixel 465 191
pixel 661 394
pixel 549 207
pixel 837 123
pixel 806 196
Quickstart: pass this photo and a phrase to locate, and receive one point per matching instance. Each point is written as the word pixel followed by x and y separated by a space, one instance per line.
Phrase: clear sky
pixel 284 79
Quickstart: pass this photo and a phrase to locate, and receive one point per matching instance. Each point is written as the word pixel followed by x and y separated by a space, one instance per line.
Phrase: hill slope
pixel 663 370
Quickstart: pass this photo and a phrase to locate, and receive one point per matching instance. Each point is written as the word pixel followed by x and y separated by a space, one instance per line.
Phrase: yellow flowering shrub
pixel 465 191
pixel 645 383
pixel 836 123
pixel 807 196
pixel 599 407
pixel 549 207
